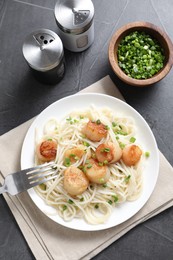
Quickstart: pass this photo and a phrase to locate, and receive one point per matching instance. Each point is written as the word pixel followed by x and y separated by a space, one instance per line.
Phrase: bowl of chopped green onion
pixel 140 53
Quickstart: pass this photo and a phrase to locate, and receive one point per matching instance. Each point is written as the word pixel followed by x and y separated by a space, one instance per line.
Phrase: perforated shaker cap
pixel 74 16
pixel 43 50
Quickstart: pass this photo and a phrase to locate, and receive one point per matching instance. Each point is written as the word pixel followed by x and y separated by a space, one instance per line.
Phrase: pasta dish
pixel 99 162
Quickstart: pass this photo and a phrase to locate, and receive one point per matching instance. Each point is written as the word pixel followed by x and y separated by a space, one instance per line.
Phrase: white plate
pixel 144 135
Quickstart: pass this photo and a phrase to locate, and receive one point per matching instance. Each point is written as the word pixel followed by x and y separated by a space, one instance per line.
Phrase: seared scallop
pixel 108 152
pixel 96 172
pixel 75 153
pixel 75 181
pixel 131 154
pixel 46 150
pixel 95 131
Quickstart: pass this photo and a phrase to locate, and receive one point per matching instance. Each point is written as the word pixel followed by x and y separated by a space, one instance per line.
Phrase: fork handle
pixel 2 189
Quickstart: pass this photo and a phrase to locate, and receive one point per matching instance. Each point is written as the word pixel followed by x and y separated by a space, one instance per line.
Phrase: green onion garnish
pixel 114 124
pixel 42 186
pixel 64 207
pixel 101 180
pixel 126 179
pixel 106 150
pixel 122 145
pixel 115 198
pixel 98 122
pixel 147 154
pixel 107 127
pixel 86 144
pixel 132 139
pixel 89 166
pixel 67 162
pixel 140 56
pixel 69 118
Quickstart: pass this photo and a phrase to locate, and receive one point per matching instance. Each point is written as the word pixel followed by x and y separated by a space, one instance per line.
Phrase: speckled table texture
pixel 23 97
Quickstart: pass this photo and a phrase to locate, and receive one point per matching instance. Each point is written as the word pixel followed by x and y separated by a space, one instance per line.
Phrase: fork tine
pixel 40 175
pixel 39 167
pixel 40 171
pixel 25 179
pixel 42 181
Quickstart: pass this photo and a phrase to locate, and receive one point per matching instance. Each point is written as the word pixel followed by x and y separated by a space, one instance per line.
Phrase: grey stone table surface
pixel 22 97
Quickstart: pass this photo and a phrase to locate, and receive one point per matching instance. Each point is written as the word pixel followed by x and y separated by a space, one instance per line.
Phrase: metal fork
pixel 25 179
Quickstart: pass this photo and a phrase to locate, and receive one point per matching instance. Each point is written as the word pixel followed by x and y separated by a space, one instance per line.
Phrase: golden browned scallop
pixel 75 181
pixel 46 150
pixel 108 152
pixel 95 131
pixel 96 173
pixel 131 154
pixel 75 153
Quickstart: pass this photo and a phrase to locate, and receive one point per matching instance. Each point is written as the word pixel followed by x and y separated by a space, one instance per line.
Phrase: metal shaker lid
pixel 43 50
pixel 74 16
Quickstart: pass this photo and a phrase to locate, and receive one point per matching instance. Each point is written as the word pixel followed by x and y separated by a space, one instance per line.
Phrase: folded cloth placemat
pixel 49 240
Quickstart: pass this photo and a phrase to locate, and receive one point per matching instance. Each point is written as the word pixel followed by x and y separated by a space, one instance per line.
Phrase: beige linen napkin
pixel 48 240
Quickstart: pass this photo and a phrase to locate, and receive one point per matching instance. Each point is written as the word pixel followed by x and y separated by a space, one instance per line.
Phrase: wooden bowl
pixel 154 32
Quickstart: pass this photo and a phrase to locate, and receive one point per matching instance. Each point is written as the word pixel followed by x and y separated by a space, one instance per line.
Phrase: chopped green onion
pixel 70 201
pixel 122 145
pixel 100 164
pixel 98 122
pixel 127 178
pixel 147 154
pixel 89 166
pixel 69 118
pixel 72 155
pixel 115 198
pixel 140 56
pixel 64 207
pixel 120 132
pixel 107 127
pixel 42 186
pixel 132 139
pixel 67 162
pixel 105 162
pixel 96 206
pixel 110 202
pixel 114 124
pixel 86 144
pixel 106 150
pixel 101 180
